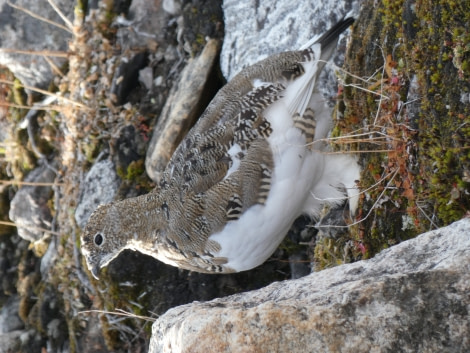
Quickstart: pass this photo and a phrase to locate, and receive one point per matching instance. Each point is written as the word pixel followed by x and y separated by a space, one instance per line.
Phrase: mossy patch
pixel 410 107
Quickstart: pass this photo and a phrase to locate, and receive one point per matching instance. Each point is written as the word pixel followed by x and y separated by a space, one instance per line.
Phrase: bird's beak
pixel 95 271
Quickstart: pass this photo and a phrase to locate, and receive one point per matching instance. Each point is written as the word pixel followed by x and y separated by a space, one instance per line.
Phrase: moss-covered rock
pixel 406 107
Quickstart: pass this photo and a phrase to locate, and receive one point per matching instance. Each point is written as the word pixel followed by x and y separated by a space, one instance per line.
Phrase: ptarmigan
pixel 255 161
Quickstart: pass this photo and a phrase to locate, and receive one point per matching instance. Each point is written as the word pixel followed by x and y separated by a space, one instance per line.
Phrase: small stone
pixel 9 318
pixel 173 7
pixel 146 77
pixel 99 187
pixel 29 207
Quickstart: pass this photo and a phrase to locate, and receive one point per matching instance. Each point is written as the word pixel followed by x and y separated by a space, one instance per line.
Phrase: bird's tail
pixel 322 49
pixel 330 37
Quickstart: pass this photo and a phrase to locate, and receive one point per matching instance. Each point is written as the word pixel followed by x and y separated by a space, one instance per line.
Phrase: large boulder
pixel 411 297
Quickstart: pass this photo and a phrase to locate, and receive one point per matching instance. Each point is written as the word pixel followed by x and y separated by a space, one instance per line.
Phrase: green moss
pixel 200 39
pixel 80 9
pixel 19 95
pixel 419 183
pixel 327 254
pixel 290 247
pixel 91 148
pixel 134 170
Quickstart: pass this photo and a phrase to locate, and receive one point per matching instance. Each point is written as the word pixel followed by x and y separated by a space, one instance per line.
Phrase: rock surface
pixel 21 33
pixel 9 318
pixel 411 297
pixel 280 26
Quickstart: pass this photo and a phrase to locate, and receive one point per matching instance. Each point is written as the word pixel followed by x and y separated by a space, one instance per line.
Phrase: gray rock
pixel 99 187
pixel 411 297
pixel 21 341
pixel 9 317
pixel 29 208
pixel 11 341
pixel 258 28
pixel 20 31
pixel 49 258
pixel 173 7
pixel 144 26
pixel 181 110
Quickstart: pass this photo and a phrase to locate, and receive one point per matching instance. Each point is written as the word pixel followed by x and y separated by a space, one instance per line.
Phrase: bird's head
pixel 104 236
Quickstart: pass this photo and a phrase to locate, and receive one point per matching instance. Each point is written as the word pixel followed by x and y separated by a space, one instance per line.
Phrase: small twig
pixel 363 80
pixel 381 84
pixel 19 106
pixel 11 224
pixel 32 14
pixel 366 90
pixel 28 183
pixel 119 312
pixel 53 66
pixel 47 93
pixel 365 134
pixel 426 216
pixel 378 199
pixel 356 151
pixel 62 16
pixel 363 191
pixel 53 53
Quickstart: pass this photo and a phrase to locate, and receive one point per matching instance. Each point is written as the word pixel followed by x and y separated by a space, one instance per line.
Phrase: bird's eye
pixel 99 239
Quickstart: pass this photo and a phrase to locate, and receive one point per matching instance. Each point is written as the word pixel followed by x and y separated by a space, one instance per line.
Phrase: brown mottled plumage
pixel 241 176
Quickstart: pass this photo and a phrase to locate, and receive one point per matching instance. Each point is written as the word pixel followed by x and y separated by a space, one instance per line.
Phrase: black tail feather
pixel 331 35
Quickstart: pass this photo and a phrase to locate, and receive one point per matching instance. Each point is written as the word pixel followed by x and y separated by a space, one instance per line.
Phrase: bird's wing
pixel 216 175
pixel 225 156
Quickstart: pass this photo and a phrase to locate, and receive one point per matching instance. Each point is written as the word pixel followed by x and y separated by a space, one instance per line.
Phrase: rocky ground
pixel 126 75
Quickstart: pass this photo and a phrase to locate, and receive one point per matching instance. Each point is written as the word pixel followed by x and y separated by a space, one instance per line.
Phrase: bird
pixel 255 161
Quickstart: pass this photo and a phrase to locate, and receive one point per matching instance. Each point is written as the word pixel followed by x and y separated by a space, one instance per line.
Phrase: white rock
pixel 173 7
pixel 411 297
